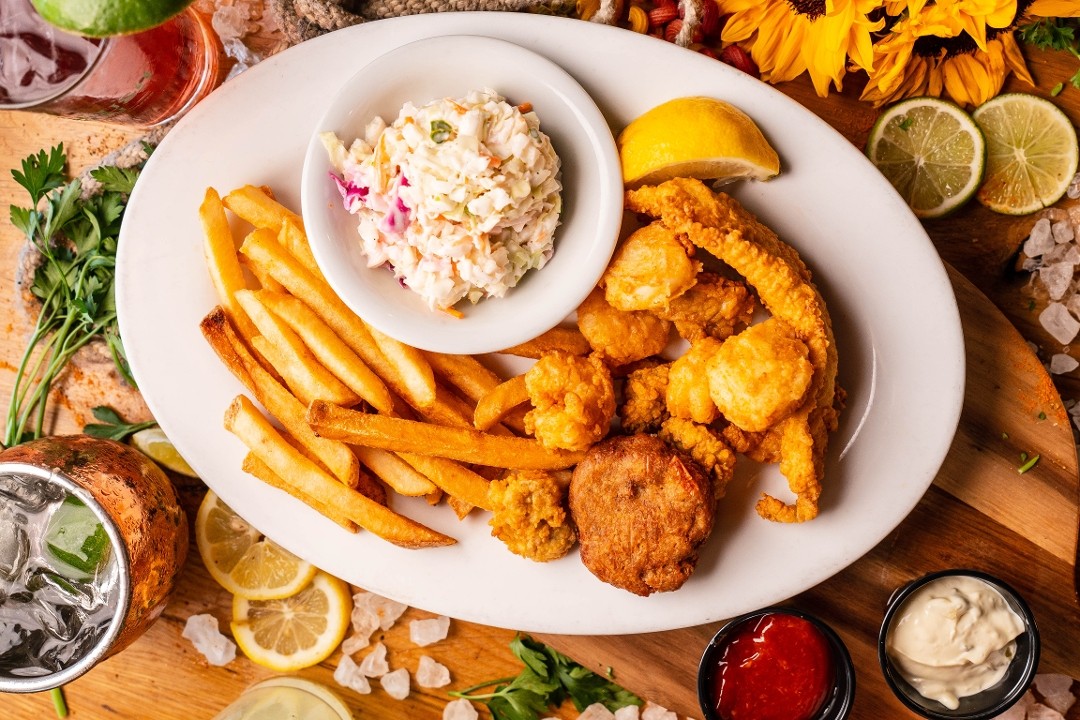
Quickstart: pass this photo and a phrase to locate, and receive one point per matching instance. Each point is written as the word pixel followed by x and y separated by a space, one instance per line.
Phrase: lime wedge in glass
pixel 1031 153
pixel 101 18
pixel 76 540
pixel 931 151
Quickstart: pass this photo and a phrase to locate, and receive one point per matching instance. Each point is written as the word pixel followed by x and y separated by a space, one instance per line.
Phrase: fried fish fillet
pixel 719 225
pixel 715 307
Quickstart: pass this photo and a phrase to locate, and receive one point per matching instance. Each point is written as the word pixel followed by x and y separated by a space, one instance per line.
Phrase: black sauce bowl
pixel 990 702
pixel 838 703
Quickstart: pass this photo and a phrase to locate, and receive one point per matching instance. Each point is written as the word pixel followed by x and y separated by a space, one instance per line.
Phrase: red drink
pixel 143 79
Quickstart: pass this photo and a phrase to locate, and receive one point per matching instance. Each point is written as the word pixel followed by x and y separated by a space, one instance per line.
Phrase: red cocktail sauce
pixel 774 667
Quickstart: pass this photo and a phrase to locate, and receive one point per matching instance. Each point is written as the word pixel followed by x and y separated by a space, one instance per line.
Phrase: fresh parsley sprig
pixel 77 240
pixel 548 678
pixel 111 426
pixel 1062 34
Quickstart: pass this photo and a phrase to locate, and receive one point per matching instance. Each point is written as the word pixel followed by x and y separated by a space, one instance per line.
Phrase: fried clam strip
pixel 455 443
pixel 719 225
pixel 245 421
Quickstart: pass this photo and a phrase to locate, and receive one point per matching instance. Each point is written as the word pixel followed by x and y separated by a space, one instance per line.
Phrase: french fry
pixel 473 380
pixel 411 365
pixel 222 260
pixel 463 444
pixel 455 480
pixel 265 281
pixel 566 339
pixel 291 358
pixel 402 477
pixel 294 239
pixel 263 440
pixel 499 401
pixel 278 401
pixel 317 295
pixel 254 466
pixel 257 207
pixel 330 349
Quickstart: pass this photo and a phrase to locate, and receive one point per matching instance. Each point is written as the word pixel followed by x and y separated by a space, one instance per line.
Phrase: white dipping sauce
pixel 955 637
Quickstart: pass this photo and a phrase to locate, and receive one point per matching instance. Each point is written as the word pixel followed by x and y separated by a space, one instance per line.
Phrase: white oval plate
pixel 897 327
pixel 451 66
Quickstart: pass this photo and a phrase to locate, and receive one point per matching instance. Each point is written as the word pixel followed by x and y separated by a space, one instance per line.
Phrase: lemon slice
pixel 241 560
pixel 696 137
pixel 295 632
pixel 99 18
pixel 1032 153
pixel 931 151
pixel 153 443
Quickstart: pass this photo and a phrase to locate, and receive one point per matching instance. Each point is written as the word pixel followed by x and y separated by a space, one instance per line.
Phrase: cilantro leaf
pixel 111 426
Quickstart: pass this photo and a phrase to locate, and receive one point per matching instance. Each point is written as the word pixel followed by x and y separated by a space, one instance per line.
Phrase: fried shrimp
pixel 719 225
pixel 688 394
pixel 715 307
pixel 705 446
pixel 573 400
pixel 529 514
pixel 760 376
pixel 644 407
pixel 650 268
pixel 618 336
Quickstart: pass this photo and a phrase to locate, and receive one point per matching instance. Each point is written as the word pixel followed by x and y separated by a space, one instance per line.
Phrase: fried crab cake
pixel 529 514
pixel 642 510
pixel 650 268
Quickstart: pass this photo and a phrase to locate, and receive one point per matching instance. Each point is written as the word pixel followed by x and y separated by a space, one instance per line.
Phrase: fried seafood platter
pixel 705 341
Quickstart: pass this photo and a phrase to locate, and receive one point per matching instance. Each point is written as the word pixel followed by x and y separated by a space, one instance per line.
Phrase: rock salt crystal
pixel 374 663
pixel 656 712
pixel 1042 712
pixel 203 632
pixel 1019 710
pixel 1056 690
pixel 1059 322
pixel 1057 278
pixel 364 623
pixel 348 674
pixel 388 611
pixel 427 632
pixel 1073 191
pixel 596 711
pixel 396 683
pixel 1041 239
pixel 1062 231
pixel 1061 363
pixel 628 712
pixel 431 674
pixel 460 709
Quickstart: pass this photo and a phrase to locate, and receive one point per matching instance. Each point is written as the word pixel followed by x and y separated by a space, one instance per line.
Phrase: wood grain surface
pixel 980 513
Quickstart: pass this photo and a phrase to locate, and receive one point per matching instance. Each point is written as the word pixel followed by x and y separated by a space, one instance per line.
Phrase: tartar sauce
pixel 955 637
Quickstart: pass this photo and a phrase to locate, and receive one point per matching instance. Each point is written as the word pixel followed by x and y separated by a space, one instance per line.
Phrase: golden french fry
pixel 261 438
pixel 254 466
pixel 499 401
pixel 330 349
pixel 265 281
pixel 222 260
pixel 455 480
pixel 566 339
pixel 473 380
pixel 293 238
pixel 402 477
pixel 291 358
pixel 464 444
pixel 256 206
pixel 278 401
pixel 317 295
pixel 411 365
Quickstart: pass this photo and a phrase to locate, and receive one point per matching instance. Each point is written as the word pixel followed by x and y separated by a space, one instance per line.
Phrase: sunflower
pixel 788 37
pixel 1055 8
pixel 945 48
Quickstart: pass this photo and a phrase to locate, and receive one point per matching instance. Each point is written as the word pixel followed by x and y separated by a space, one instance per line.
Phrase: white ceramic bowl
pixel 451 66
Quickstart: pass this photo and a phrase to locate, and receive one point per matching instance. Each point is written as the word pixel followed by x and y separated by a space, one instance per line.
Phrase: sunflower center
pixel 810 9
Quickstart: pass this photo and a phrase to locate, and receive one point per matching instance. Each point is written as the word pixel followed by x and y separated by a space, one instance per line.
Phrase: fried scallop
pixel 688 393
pixel 642 510
pixel 650 268
pixel 618 336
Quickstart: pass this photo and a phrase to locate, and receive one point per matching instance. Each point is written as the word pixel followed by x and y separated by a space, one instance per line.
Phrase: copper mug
pixel 147 531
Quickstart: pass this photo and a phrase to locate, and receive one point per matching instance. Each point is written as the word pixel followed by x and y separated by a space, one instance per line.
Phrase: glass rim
pixel 37 102
pixel 28 684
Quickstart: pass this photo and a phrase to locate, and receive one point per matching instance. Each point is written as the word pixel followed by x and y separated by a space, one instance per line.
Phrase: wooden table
pixel 980 512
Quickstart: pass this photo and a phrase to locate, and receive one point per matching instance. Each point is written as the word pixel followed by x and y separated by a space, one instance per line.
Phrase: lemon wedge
pixel 296 632
pixel 1031 153
pixel 153 443
pixel 695 137
pixel 241 560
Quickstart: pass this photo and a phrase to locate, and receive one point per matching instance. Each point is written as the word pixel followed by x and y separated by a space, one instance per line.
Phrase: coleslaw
pixel 459 197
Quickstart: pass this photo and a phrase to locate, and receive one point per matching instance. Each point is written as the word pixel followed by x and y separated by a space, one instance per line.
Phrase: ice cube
pixel 30 493
pixel 348 674
pixel 460 709
pixel 388 611
pixel 396 683
pixel 1056 278
pixel 202 631
pixel 628 712
pixel 50 587
pixel 431 674
pixel 656 712
pixel 596 711
pixel 374 663
pixel 1040 240
pixel 1062 231
pixel 1062 363
pixel 14 546
pixel 1059 322
pixel 12 635
pixel 427 632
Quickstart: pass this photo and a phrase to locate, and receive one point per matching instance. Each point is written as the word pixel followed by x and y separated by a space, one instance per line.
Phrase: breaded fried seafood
pixel 650 268
pixel 642 510
pixel 529 513
pixel 618 336
pixel 714 307
pixel 573 401
pixel 688 389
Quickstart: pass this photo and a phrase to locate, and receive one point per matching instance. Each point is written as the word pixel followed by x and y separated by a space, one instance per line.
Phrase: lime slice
pixel 1032 153
pixel 931 151
pixel 102 18
pixel 153 443
pixel 76 540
